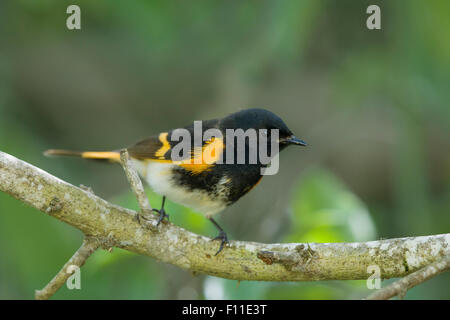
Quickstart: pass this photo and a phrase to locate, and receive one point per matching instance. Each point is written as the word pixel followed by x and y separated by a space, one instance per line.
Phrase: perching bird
pixel 208 175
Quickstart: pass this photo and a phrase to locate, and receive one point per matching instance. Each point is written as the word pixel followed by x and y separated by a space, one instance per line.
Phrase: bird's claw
pixel 162 215
pixel 223 240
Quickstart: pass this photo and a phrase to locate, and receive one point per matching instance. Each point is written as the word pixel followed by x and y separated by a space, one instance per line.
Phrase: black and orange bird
pixel 211 175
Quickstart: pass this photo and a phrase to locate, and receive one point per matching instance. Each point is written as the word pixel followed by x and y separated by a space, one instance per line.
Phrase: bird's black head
pixel 256 118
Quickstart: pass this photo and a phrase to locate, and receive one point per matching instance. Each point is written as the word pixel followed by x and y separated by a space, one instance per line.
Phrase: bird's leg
pixel 162 213
pixel 222 236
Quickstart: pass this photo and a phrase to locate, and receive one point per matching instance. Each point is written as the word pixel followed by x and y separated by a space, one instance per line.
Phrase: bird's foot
pixel 162 215
pixel 223 240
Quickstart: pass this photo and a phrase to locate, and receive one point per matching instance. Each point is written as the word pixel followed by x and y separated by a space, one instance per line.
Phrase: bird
pixel 198 177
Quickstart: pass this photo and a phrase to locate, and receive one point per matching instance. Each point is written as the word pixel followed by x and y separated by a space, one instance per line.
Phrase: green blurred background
pixel 374 106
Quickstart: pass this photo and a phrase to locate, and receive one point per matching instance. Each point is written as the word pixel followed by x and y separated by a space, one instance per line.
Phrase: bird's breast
pixel 203 193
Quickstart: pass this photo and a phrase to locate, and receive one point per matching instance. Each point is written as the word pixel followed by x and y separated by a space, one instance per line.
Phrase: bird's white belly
pixel 160 178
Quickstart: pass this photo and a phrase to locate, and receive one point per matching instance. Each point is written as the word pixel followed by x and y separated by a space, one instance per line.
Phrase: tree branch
pixel 399 287
pixel 78 259
pixel 240 260
pixel 136 186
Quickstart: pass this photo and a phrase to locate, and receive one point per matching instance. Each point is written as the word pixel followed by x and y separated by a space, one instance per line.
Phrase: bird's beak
pixel 294 140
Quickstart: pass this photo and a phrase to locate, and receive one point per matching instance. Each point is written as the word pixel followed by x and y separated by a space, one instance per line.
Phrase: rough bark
pixel 116 226
pixel 399 287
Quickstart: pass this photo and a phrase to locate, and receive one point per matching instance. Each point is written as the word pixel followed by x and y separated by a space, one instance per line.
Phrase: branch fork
pixel 106 225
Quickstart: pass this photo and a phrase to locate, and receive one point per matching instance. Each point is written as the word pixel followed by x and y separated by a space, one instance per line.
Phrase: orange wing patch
pixel 204 158
pixel 164 148
pixel 158 150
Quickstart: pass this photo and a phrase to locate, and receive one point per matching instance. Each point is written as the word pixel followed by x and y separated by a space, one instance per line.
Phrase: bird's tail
pixel 113 156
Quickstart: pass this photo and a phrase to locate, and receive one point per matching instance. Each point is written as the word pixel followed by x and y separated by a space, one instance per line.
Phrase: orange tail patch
pixel 107 155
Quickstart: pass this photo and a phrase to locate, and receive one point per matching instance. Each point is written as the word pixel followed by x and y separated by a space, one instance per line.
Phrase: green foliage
pixel 373 105
pixel 103 278
pixel 217 288
pixel 324 210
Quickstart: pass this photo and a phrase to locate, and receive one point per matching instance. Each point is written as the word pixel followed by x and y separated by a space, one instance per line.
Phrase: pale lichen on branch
pixel 241 260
